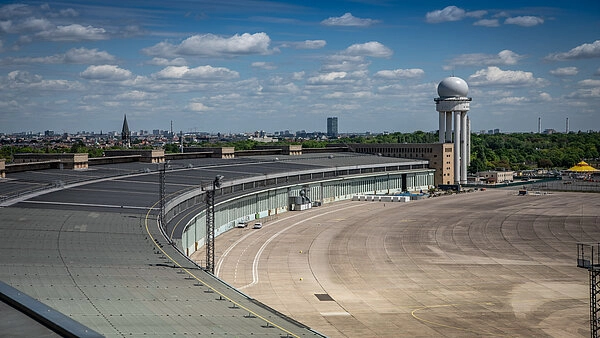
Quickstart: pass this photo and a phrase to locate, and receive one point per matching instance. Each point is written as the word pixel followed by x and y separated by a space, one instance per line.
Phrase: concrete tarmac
pixel 487 263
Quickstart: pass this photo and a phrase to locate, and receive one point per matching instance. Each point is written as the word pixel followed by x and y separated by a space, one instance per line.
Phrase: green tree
pixel 545 163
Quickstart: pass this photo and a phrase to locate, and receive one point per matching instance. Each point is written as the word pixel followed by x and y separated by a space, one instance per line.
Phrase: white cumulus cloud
pixel 298 76
pixel 34 25
pixel 545 96
pixel 306 44
pixel 166 62
pixel 585 93
pixel 15 10
pixel 495 76
pixel 73 56
pixel 348 20
pixel 372 48
pixel 512 100
pixel 450 13
pixel 263 65
pixel 133 95
pixel 505 57
pixel 565 71
pixel 327 78
pixel 589 83
pixel 24 80
pixel 487 23
pixel 585 51
pixel 213 45
pixel 400 74
pixel 198 106
pixel 74 32
pixel 106 73
pixel 84 55
pixel 201 72
pixel 344 63
pixel 23 77
pixel 524 21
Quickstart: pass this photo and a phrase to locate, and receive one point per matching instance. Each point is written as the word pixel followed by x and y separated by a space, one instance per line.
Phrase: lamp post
pixel 161 178
pixel 210 224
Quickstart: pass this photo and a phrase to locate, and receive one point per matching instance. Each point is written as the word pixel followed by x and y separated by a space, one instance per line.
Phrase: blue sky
pixel 247 65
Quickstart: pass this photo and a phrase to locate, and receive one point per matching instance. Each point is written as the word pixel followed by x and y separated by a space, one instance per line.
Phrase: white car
pixel 257 225
pixel 241 224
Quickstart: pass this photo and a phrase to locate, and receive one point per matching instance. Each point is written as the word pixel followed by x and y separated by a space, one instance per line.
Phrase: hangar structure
pixel 320 186
pixel 87 243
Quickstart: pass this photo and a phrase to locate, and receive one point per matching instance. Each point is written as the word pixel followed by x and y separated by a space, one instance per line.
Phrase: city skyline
pixel 238 66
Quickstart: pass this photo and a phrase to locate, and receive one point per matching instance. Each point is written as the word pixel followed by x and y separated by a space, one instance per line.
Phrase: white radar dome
pixel 453 87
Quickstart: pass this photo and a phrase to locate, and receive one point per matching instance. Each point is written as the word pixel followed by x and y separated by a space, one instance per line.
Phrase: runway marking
pixel 226 252
pixel 200 280
pixel 340 313
pixel 262 248
pixel 413 313
pixel 222 258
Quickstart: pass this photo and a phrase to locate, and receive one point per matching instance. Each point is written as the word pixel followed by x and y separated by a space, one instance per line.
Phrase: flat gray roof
pixel 87 245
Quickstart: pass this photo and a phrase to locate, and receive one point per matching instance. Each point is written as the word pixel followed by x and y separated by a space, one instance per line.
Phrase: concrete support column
pixel 442 127
pixel 463 147
pixel 468 141
pixel 457 153
pixel 448 127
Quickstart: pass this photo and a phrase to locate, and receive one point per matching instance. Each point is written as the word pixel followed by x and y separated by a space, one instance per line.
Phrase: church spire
pixel 126 133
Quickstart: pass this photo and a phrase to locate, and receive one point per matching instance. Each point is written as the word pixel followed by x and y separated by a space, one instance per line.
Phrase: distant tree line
pixel 7 151
pixel 510 151
pixel 527 151
pixel 488 151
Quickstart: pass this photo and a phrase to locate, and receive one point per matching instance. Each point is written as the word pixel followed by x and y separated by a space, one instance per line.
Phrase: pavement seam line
pixel 203 282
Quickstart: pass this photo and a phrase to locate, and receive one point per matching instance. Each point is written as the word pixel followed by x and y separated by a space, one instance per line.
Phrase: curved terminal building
pixel 87 244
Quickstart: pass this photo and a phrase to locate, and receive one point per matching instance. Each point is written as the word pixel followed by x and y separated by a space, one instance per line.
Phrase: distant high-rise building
pixel 332 126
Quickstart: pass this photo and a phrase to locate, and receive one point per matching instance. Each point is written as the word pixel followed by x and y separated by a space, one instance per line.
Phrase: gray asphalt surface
pixel 487 263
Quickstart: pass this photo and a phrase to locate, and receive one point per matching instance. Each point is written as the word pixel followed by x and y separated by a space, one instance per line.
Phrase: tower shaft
pixel 454 103
pixel 457 152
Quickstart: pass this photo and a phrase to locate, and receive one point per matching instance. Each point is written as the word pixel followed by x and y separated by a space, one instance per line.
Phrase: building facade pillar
pixel 448 127
pixel 463 147
pixel 468 141
pixel 457 125
pixel 442 127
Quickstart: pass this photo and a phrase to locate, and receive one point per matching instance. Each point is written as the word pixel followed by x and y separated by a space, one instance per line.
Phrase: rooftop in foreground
pixel 86 243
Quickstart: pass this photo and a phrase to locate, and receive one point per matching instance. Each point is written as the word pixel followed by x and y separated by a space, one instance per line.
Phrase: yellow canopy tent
pixel 583 167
